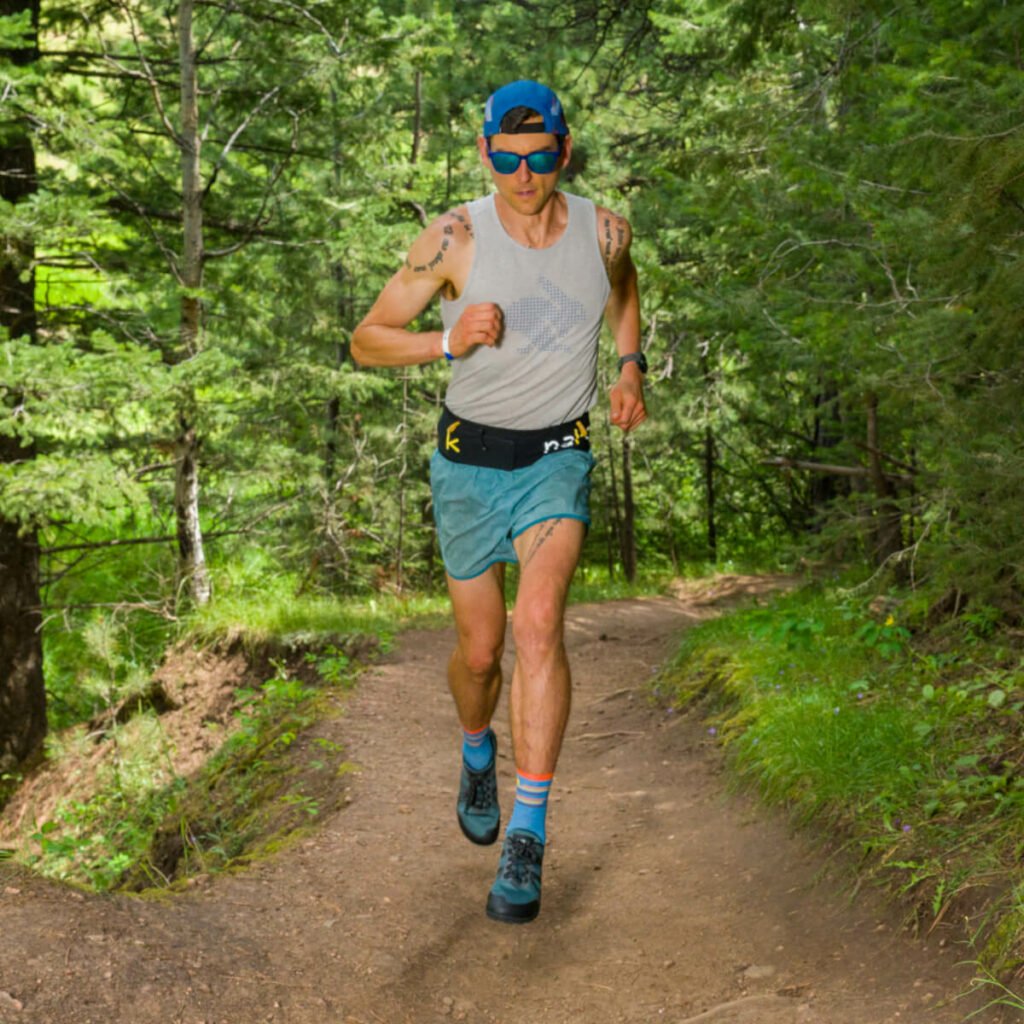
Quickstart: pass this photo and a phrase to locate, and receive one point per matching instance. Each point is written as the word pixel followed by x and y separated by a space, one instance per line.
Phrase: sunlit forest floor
pixel 666 896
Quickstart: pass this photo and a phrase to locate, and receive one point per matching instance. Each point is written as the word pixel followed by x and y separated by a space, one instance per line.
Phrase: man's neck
pixel 537 230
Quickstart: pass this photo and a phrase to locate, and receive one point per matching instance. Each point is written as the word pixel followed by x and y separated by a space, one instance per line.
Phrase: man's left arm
pixel 622 314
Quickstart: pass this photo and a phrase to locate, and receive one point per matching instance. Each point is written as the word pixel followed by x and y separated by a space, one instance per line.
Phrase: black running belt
pixel 462 440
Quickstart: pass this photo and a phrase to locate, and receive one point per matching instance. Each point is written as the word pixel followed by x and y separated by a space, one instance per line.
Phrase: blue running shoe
pixel 515 895
pixel 479 816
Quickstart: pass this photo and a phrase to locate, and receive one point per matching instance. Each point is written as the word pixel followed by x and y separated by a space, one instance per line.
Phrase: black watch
pixel 634 357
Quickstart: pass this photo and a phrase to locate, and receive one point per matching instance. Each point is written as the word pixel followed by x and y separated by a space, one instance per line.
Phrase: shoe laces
pixel 522 854
pixel 483 791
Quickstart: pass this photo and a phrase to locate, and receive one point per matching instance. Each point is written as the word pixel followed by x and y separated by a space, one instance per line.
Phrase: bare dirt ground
pixel 665 899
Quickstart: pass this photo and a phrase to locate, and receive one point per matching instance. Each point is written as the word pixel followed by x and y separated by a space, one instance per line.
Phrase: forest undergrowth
pixel 891 732
pixel 187 745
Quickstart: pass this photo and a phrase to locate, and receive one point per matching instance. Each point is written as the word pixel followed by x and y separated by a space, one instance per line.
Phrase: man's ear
pixel 481 148
pixel 566 153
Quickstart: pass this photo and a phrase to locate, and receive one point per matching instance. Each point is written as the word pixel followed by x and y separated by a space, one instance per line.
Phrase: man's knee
pixel 537 625
pixel 480 656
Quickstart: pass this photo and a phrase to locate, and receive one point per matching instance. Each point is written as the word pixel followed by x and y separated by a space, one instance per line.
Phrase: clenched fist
pixel 480 324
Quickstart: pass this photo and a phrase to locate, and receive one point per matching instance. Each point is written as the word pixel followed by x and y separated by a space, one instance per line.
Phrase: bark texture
pixel 191 560
pixel 886 532
pixel 192 573
pixel 22 690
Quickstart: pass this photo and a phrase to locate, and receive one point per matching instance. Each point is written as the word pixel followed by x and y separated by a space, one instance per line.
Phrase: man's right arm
pixel 382 338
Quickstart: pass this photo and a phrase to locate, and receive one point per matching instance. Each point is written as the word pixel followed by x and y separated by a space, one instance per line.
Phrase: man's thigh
pixel 478 605
pixel 548 553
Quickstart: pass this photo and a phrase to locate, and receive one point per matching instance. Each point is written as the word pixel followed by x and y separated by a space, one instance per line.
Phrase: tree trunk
pixel 191 559
pixel 886 532
pixel 827 434
pixel 709 458
pixel 22 690
pixel 191 563
pixel 627 541
pixel 403 472
pixel 614 517
pixel 346 321
pixel 709 493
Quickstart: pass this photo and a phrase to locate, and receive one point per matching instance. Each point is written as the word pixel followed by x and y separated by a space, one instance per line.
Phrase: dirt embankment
pixel 665 899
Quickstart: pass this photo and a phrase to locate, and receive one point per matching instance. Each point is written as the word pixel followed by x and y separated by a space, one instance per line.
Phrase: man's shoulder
pixel 609 218
pixel 454 226
pixel 455 223
pixel 614 236
pixel 443 239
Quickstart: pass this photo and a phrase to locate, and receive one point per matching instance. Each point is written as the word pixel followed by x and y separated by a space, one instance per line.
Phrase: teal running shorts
pixel 479 511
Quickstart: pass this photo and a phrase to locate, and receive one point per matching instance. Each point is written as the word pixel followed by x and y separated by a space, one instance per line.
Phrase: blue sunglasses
pixel 544 161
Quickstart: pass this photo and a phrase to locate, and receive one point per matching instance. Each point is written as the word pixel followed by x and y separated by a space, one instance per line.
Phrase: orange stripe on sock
pixel 535 778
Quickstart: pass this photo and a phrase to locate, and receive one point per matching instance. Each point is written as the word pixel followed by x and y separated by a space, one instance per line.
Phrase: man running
pixel 525 276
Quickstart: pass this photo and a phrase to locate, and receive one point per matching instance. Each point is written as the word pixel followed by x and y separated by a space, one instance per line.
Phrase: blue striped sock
pixel 530 810
pixel 477 748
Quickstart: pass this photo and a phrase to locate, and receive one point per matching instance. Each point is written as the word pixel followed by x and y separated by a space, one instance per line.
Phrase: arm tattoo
pixel 464 221
pixel 613 249
pixel 438 257
pixel 538 541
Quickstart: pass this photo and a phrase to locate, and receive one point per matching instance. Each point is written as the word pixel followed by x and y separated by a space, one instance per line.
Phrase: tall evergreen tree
pixel 22 692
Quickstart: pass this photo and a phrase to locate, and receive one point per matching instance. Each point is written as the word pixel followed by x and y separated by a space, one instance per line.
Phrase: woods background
pixel 200 200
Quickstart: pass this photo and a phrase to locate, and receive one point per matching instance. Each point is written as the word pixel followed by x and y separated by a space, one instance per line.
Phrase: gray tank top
pixel 544 369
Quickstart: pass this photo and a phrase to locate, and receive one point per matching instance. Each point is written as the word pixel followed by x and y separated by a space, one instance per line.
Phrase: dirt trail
pixel 665 900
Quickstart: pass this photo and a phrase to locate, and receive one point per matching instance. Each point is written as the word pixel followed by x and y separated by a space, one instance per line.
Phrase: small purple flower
pixel 712 731
pixel 906 828
pixel 670 711
pixel 895 821
pixel 860 696
pixel 778 686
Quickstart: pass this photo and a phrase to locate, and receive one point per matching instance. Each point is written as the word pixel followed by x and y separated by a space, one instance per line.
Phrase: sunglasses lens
pixel 505 163
pixel 542 163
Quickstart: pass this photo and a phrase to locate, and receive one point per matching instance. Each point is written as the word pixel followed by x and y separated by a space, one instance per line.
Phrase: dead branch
pixel 823 467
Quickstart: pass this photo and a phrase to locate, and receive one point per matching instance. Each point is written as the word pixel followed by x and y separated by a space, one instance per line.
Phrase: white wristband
pixel 444 344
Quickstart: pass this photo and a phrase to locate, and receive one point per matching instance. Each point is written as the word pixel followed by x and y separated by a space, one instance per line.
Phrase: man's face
pixel 524 190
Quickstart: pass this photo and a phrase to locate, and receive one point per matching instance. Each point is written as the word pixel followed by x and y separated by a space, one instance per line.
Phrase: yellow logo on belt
pixel 579 432
pixel 451 442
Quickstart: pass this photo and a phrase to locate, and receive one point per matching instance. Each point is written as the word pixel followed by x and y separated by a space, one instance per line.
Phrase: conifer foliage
pixel 201 198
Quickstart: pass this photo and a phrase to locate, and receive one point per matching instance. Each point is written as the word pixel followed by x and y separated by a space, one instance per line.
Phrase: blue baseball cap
pixel 525 93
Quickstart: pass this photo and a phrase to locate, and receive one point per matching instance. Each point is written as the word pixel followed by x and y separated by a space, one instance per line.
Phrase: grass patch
pixel 262 606
pixel 595 584
pixel 904 741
